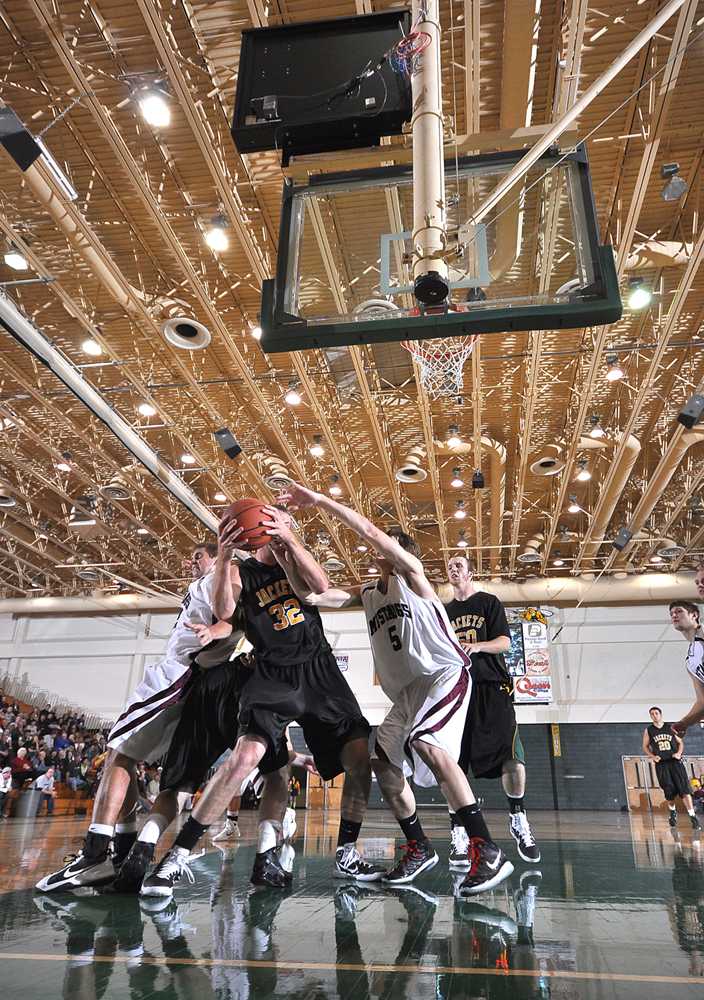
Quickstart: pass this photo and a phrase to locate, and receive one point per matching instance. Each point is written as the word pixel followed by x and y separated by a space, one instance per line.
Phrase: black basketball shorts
pixel 313 694
pixel 207 726
pixel 491 733
pixel 672 778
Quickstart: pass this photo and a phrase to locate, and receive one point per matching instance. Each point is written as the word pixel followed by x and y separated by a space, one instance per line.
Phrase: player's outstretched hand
pixel 202 632
pixel 305 760
pixel 228 533
pixel 296 496
pixel 679 728
pixel 278 526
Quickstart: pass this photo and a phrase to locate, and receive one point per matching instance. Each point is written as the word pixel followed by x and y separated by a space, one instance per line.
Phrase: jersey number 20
pixel 288 613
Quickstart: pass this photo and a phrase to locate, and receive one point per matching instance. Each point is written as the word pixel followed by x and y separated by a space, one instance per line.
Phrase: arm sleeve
pixel 496 621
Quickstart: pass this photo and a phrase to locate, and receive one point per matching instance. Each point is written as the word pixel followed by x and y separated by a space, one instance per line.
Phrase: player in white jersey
pixel 424 671
pixel 685 618
pixel 143 732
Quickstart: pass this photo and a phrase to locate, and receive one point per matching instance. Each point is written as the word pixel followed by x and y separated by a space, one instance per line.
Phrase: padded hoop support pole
pixel 430 270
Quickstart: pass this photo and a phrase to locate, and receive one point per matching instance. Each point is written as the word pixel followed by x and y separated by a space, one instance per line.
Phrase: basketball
pixel 250 517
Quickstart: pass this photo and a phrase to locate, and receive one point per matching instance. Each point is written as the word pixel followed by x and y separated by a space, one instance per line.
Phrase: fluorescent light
pixel 62 181
pixel 217 238
pixel 15 260
pixel 220 497
pixel 155 110
pixel 188 459
pixel 91 346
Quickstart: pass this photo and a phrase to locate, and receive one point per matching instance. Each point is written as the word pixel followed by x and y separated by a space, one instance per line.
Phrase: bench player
pixel 424 671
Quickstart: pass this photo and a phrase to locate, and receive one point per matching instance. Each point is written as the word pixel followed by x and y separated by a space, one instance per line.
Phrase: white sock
pixel 673 809
pixel 153 829
pixel 269 832
pixel 104 828
pixel 690 812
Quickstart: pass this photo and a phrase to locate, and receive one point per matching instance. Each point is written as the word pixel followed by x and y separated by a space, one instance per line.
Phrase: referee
pixel 662 745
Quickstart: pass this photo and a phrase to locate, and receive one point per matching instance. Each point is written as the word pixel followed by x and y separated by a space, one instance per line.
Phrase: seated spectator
pixel 45 784
pixel 78 775
pixel 61 742
pixel 5 786
pixel 21 768
pixel 40 762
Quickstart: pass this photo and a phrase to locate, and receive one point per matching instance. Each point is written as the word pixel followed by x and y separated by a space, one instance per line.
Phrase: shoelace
pixel 524 828
pixel 475 854
pixel 176 866
pixel 410 850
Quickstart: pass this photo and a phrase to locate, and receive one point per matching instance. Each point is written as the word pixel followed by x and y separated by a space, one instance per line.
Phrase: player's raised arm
pixel 285 543
pixel 387 547
pixel 227 586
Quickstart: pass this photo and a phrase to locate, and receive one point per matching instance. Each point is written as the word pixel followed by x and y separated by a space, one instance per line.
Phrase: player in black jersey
pixel 492 746
pixel 295 678
pixel 662 744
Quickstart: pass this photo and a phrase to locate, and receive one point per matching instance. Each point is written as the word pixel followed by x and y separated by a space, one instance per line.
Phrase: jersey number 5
pixel 288 613
pixel 394 639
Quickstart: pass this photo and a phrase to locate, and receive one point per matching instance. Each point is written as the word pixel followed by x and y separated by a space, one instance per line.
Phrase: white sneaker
pixel 459 848
pixel 289 824
pixel 349 863
pixel 168 873
pixel 230 831
pixel 520 830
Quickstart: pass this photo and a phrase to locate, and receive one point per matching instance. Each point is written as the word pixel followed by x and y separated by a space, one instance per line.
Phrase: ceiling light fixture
pixel 453 436
pixel 292 396
pixel 460 513
pixel 462 542
pixel 574 507
pixel 558 562
pixel 584 475
pixel 676 186
pixel 257 332
pixel 478 480
pixel 361 548
pixel 597 431
pixel 373 571
pixel 92 347
pixel 639 294
pixel 146 409
pixel 155 109
pixel 335 490
pixel 216 237
pixel 14 259
pixel 63 466
pixel 142 531
pixel 220 497
pixel 457 481
pixel 316 449
pixel 187 459
pixel 656 559
pixel 615 371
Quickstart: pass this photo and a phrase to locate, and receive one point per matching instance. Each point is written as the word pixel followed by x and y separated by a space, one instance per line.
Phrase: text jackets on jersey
pixel 282 629
pixel 410 636
pixel 663 742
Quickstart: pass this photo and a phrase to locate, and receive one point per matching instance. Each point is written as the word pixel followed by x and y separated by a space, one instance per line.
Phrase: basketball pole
pixel 430 270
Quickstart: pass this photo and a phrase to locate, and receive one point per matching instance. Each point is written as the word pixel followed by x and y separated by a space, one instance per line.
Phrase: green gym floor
pixel 615 909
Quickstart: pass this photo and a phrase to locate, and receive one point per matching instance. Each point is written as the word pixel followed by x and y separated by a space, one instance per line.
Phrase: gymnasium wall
pixel 609 665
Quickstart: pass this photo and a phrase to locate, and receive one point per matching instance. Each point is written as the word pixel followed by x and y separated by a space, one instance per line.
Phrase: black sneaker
pixel 673 817
pixel 91 866
pixel 349 863
pixel 489 867
pixel 168 873
pixel 418 856
pixel 520 830
pixel 133 869
pixel 268 870
pixel 695 823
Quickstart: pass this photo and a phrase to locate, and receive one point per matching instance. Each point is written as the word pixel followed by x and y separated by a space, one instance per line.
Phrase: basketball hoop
pixel 441 363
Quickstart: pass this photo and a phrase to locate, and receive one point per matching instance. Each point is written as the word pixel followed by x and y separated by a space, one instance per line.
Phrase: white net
pixel 441 363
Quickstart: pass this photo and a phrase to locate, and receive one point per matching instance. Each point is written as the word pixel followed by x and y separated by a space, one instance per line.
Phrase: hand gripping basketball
pixel 244 522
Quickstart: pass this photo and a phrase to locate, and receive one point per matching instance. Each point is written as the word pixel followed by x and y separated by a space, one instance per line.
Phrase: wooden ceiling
pixel 130 251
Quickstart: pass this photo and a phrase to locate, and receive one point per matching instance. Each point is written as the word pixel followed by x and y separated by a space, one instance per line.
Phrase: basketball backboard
pixel 533 263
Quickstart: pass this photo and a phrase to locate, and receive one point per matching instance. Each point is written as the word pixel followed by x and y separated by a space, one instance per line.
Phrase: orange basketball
pixel 250 517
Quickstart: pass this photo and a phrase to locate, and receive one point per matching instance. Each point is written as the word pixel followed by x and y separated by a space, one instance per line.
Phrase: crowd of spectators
pixel 40 742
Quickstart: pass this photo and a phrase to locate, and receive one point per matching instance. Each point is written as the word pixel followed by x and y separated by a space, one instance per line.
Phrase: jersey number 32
pixel 288 613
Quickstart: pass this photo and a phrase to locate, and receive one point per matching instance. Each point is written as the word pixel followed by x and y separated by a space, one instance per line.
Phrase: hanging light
pixel 335 490
pixel 615 371
pixel 457 482
pixel 574 507
pixel 220 497
pixel 373 571
pixel 639 294
pixel 216 236
pixel 584 475
pixel 92 347
pixel 453 436
pixel 461 540
pixel 676 186
pixel 155 109
pixel 656 559
pixel 292 397
pixel 146 409
pixel 142 531
pixel 63 466
pixel 316 449
pixel 257 332
pixel 558 561
pixel 14 259
pixel 597 431
pixel 460 513
pixel 361 548
pixel 187 459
